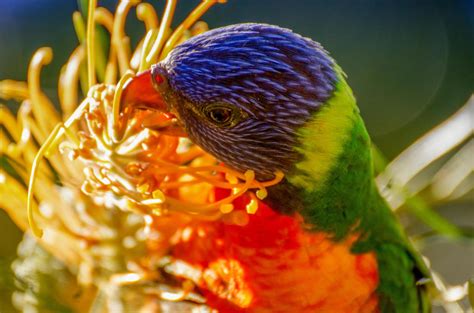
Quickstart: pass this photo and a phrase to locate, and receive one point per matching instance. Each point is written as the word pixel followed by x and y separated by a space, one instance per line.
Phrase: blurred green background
pixel 410 63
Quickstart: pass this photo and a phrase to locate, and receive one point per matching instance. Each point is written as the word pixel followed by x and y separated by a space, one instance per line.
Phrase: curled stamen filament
pixel 116 105
pixel 161 38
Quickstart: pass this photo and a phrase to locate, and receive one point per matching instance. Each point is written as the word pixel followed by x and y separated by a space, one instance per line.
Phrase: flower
pixel 117 192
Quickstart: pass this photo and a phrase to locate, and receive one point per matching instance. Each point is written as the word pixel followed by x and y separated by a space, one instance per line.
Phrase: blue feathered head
pixel 242 91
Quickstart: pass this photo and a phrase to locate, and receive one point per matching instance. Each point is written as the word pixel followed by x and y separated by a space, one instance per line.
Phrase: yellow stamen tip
pixel 261 193
pixel 249 175
pixel 158 194
pixel 279 175
pixel 37 232
pixel 226 208
pixel 143 188
pixel 252 207
pixel 31 220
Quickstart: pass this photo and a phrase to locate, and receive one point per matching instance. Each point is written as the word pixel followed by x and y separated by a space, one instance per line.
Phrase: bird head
pixel 241 93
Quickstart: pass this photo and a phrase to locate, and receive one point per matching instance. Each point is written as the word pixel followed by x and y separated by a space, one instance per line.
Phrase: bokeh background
pixel 410 63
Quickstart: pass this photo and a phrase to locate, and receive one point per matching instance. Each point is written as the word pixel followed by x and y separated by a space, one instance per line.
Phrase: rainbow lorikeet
pixel 262 98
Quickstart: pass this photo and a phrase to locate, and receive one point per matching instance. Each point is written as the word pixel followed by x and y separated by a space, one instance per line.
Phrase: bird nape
pixel 262 98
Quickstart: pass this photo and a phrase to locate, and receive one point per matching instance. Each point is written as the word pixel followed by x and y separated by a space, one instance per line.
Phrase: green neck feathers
pixel 335 179
pixel 335 176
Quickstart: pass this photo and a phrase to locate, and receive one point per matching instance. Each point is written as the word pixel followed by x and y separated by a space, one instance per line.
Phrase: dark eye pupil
pixel 220 115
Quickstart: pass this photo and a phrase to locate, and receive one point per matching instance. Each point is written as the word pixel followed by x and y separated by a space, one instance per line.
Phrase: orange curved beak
pixel 140 93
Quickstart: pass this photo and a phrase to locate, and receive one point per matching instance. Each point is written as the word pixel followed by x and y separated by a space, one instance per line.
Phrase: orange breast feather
pixel 271 264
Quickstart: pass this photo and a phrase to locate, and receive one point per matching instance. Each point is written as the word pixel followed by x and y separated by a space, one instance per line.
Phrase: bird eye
pixel 220 115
